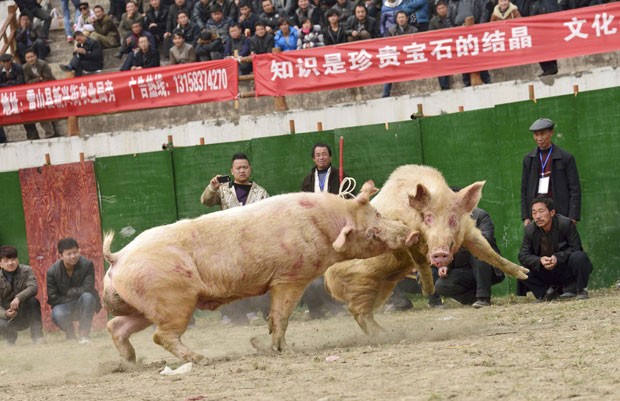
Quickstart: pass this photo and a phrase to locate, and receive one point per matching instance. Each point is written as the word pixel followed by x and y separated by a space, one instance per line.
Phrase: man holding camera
pixel 238 192
pixel 241 191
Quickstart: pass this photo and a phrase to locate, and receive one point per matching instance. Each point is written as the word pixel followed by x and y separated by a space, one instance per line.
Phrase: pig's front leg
pixel 480 248
pixel 284 299
pixel 421 263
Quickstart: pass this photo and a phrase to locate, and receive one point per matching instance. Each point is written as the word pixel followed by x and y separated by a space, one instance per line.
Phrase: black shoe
pixel 482 302
pixel 567 295
pixel 551 294
pixel 66 68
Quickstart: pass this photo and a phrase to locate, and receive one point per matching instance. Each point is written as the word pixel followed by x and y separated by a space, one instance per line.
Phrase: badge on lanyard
pixel 543 182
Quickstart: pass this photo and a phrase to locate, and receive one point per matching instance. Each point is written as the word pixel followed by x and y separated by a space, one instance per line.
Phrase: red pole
pixel 341 172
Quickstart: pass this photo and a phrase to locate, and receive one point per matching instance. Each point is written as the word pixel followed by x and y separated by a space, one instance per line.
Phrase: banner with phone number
pixel 571 33
pixel 178 85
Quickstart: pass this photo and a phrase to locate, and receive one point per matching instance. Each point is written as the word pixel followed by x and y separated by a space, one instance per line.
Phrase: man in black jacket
pixel 550 171
pixel 19 307
pixel 32 9
pixel 156 20
pixel 322 178
pixel 552 250
pixel 12 74
pixel 87 56
pixel 71 290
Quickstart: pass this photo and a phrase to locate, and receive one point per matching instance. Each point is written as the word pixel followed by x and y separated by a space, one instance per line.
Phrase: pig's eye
pixel 428 219
pixel 452 221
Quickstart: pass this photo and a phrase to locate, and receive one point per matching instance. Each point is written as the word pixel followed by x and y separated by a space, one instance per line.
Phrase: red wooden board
pixel 61 201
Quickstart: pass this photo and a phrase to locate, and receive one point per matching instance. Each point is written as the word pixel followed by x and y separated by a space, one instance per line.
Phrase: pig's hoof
pixel 262 348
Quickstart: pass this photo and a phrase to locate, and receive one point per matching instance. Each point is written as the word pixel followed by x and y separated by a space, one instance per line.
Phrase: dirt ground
pixel 513 350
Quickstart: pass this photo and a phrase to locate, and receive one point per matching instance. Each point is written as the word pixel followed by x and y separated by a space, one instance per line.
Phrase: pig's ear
pixel 420 198
pixel 468 197
pixel 368 189
pixel 413 238
pixel 342 239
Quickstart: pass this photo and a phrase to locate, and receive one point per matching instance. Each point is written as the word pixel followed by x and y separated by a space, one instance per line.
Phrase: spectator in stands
pixel 309 36
pixel 209 47
pixel 201 13
pixel 552 250
pixel 218 23
pixel 130 44
pixel 226 6
pixel 334 33
pixel 12 74
pixel 172 22
pixel 227 193
pixel 271 16
pixel 66 14
pixel 504 10
pixel 401 27
pixel 84 20
pixel 19 307
pixel 419 9
pixel 286 37
pixel 146 56
pixel 441 21
pixel 71 290
pixel 573 4
pixel 105 30
pixel 360 26
pixel 87 56
pixel 345 8
pixel 29 37
pixel 388 16
pixel 33 9
pixel 181 52
pixel 130 16
pixel 238 46
pixel 539 7
pixel 247 18
pixel 35 71
pixel 191 32
pixel 459 10
pixel 262 42
pixel 156 20
pixel 305 10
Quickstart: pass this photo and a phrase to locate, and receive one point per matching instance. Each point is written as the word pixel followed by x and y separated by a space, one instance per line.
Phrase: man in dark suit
pixel 552 250
pixel 36 71
pixel 550 171
pixel 12 74
pixel 87 56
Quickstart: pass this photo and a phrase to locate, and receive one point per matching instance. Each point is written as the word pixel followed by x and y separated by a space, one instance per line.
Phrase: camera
pixel 223 178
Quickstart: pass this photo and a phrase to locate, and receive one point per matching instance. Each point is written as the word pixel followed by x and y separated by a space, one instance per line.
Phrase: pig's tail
pixel 347 186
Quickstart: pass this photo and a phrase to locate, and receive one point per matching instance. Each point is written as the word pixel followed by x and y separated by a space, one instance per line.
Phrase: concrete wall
pixel 147 130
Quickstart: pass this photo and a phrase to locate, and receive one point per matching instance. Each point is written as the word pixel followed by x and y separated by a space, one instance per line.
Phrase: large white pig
pixel 279 244
pixel 420 197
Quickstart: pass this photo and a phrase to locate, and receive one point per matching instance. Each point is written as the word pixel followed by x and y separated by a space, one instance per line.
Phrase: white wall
pixel 16 155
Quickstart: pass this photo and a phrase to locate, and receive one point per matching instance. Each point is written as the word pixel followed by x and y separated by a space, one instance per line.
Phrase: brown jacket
pixel 511 13
pixel 43 72
pixel 24 286
pixel 105 27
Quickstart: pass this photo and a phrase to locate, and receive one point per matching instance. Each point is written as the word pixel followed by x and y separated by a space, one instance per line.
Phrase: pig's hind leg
pixel 121 328
pixel 284 299
pixel 170 328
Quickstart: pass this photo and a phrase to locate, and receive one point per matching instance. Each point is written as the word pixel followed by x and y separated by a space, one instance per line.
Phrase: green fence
pixel 146 190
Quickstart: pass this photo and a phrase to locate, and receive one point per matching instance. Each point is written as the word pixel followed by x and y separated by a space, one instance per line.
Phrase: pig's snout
pixel 441 258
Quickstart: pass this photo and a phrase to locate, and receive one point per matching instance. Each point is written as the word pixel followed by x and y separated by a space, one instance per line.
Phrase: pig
pixel 419 197
pixel 166 272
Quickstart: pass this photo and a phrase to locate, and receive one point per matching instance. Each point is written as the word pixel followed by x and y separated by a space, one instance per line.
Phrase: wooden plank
pixel 61 201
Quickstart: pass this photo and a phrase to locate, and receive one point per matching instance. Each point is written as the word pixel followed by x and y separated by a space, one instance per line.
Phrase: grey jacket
pixel 62 289
pixel 24 286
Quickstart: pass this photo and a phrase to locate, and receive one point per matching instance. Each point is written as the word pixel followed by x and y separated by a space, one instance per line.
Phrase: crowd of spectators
pixel 184 31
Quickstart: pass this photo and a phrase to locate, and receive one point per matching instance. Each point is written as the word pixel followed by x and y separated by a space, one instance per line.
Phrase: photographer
pixel 241 191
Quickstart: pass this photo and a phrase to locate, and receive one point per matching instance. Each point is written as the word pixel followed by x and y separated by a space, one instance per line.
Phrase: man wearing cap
pixel 12 74
pixel 88 55
pixel 549 171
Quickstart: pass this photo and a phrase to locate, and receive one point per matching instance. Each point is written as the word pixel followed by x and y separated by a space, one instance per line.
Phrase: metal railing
pixel 8 31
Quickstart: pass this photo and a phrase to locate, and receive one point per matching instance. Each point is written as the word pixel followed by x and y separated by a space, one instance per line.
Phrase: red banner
pixel 514 42
pixel 176 85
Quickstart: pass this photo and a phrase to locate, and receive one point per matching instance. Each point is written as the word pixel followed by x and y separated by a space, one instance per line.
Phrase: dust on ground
pixel 513 350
